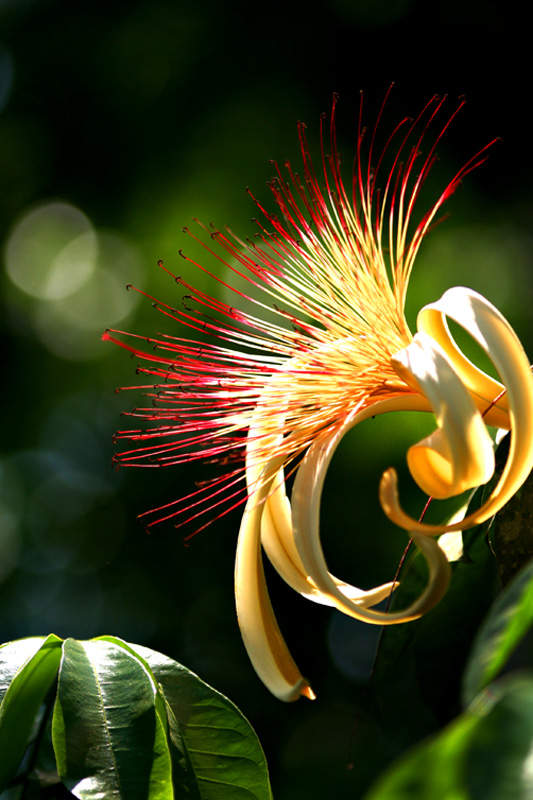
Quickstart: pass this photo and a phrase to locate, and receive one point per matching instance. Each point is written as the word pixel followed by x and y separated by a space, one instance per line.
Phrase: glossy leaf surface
pixel 28 668
pixel 228 761
pixel 108 738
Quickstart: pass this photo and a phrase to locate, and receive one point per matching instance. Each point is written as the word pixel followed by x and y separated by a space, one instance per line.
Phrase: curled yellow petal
pixel 277 536
pixel 494 334
pixel 260 632
pixel 483 388
pixel 306 499
pixel 460 454
pixel 275 525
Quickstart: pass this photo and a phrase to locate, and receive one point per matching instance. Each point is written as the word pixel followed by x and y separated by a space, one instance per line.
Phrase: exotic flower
pixel 328 348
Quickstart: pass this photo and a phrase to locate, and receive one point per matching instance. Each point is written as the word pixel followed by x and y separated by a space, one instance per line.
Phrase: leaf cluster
pixel 480 674
pixel 103 718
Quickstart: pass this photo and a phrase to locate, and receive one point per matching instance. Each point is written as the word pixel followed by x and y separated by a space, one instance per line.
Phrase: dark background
pixel 118 123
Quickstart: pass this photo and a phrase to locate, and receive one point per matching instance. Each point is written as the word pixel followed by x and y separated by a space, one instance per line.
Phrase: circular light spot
pixel 7 71
pixel 352 646
pixel 73 267
pixel 71 326
pixel 52 251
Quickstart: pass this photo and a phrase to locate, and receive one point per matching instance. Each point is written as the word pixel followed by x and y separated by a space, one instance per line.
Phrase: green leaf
pixel 509 620
pixel 109 739
pixel 28 668
pixel 183 777
pixel 128 723
pixel 417 677
pixel 484 755
pixel 227 758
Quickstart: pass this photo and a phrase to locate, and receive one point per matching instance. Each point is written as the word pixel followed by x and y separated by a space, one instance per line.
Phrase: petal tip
pixel 299 689
pixel 308 692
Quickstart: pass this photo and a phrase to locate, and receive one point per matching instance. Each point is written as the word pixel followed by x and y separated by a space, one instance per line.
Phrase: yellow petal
pixel 494 334
pixel 460 454
pixel 276 526
pixel 481 386
pixel 276 529
pixel 277 539
pixel 267 510
pixel 452 543
pixel 260 632
pixel 305 515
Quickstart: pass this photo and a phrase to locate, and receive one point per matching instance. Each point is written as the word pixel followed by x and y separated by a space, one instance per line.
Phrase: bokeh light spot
pixel 73 267
pixel 75 275
pixel 71 326
pixel 51 251
pixel 7 71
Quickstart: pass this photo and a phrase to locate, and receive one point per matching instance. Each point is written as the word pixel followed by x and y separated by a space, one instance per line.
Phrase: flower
pixel 326 347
